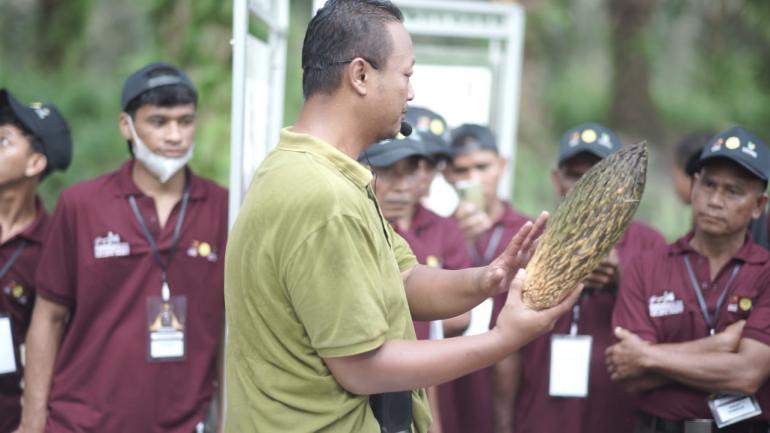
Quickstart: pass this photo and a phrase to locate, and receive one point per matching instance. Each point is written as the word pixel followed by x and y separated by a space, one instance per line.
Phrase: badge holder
pixel 166 318
pixel 570 362
pixel 728 409
pixel 8 362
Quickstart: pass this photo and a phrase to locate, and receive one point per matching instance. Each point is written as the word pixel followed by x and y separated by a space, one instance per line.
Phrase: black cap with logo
pixel 433 130
pixel 469 137
pixel 46 123
pixel 742 147
pixel 592 138
pixel 388 152
pixel 152 76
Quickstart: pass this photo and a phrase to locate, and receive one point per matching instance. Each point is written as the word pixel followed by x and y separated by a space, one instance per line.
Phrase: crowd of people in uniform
pixel 112 309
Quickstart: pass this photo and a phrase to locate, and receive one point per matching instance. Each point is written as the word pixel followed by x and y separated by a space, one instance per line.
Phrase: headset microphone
pixel 406 129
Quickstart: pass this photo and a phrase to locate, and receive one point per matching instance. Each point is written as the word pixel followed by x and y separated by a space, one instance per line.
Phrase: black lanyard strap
pixel 7 265
pixel 711 321
pixel 174 240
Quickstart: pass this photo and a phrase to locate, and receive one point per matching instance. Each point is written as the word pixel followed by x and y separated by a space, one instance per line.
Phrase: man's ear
pixel 357 74
pixel 36 164
pixel 125 130
pixel 761 205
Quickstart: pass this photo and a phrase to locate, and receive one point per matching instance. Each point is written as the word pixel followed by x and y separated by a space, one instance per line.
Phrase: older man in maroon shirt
pixel 129 319
pixel 488 224
pixel 34 141
pixel 534 397
pixel 693 321
pixel 435 241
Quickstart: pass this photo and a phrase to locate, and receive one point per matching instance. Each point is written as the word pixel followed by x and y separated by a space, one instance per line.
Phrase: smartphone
pixel 470 191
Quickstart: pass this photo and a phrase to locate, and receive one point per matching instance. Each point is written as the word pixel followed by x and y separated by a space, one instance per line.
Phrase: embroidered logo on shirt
pixel 202 249
pixel 665 305
pixel 110 246
pixel 16 291
pixel 433 261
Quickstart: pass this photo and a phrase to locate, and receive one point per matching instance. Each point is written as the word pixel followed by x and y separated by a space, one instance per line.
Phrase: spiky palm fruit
pixel 585 226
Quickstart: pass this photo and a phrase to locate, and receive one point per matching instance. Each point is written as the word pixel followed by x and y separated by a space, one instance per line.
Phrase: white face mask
pixel 161 166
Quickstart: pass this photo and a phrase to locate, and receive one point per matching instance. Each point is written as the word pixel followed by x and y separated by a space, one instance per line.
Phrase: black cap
pixel 469 137
pixel 152 76
pixel 433 130
pixel 592 138
pixel 388 152
pixel 742 147
pixel 46 123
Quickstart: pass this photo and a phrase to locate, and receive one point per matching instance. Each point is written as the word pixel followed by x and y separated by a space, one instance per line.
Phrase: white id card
pixel 729 409
pixel 166 328
pixel 570 361
pixel 481 316
pixel 7 353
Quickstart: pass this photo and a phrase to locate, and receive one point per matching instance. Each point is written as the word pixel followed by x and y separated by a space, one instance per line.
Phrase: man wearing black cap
pixel 34 141
pixel 533 368
pixel 693 321
pixel 320 290
pixel 488 224
pixel 129 318
pixel 433 129
pixel 435 241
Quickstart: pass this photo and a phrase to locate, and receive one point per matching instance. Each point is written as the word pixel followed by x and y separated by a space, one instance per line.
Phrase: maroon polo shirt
pixel 439 242
pixel 103 381
pixel 473 392
pixel 657 302
pixel 534 407
pixel 435 241
pixel 17 296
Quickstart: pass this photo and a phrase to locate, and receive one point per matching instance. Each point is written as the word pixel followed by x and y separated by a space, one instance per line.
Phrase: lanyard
pixel 710 321
pixel 573 327
pixel 7 265
pixel 494 242
pixel 165 292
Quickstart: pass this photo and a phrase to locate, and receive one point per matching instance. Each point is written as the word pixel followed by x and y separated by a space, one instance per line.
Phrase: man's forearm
pixel 400 365
pixel 436 294
pixel 743 371
pixel 506 377
pixel 646 382
pixel 43 342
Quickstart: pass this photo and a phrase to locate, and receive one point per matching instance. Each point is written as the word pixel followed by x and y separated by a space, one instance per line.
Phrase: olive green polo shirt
pixel 312 270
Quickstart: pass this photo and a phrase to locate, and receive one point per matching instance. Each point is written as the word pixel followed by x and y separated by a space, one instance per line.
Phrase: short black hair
pixel 688 149
pixel 7 117
pixel 164 96
pixel 341 31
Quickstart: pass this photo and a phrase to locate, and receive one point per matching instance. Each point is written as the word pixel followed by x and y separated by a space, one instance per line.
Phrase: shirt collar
pixel 350 168
pixel 750 252
pixel 127 187
pixel 34 232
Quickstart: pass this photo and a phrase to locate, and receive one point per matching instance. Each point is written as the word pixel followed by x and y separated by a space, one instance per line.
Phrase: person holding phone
pixel 488 224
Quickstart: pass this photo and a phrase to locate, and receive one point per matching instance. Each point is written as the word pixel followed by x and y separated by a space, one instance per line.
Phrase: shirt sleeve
pixel 334 281
pixel 630 311
pixel 758 323
pixel 55 277
pixel 404 255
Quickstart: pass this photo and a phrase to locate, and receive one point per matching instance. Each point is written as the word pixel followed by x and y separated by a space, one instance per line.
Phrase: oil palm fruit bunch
pixel 586 226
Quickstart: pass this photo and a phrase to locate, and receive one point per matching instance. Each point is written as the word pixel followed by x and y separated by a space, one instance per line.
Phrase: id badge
pixel 729 409
pixel 7 352
pixel 570 361
pixel 166 328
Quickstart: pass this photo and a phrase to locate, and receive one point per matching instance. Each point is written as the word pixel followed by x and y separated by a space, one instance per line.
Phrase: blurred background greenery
pixel 650 69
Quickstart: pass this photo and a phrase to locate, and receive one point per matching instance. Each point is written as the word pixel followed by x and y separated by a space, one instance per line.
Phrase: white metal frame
pixel 274 15
pixel 500 24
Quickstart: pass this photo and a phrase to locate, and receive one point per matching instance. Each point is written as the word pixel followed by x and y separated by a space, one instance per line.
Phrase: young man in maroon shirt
pixel 529 370
pixel 34 140
pixel 693 321
pixel 435 241
pixel 488 227
pixel 129 319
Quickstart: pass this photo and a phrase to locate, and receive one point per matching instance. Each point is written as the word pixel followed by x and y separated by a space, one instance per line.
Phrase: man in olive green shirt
pixel 320 292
